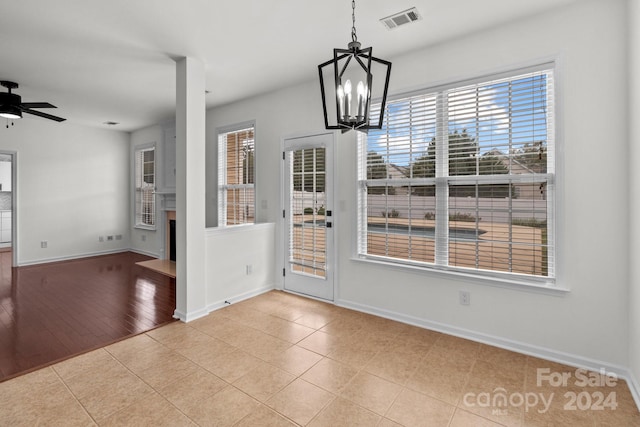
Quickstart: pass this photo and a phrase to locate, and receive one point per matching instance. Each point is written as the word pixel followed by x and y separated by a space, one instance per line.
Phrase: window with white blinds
pixel 145 179
pixel 236 177
pixel 462 178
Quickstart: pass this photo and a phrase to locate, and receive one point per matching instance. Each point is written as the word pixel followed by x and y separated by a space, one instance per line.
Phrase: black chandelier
pixel 336 76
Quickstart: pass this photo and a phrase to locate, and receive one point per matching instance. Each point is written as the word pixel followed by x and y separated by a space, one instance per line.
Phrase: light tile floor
pixel 283 360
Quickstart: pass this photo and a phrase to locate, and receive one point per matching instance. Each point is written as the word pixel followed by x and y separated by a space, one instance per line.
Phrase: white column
pixel 191 291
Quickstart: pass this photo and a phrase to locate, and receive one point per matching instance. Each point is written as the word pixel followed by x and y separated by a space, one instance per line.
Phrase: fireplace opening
pixel 172 239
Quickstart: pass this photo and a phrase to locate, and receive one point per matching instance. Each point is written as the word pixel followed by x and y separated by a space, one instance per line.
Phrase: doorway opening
pixel 7 215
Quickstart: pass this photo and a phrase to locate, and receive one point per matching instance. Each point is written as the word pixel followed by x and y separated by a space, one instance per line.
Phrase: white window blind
pixel 462 178
pixel 236 177
pixel 145 179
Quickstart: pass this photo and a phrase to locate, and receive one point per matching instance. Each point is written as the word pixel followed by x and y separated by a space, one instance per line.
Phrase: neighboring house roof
pixel 505 159
pixel 396 172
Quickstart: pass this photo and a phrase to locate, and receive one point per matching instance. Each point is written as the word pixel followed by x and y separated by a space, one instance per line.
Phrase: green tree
pixel 425 165
pixel 464 159
pixel 463 150
pixel 377 169
pixel 533 156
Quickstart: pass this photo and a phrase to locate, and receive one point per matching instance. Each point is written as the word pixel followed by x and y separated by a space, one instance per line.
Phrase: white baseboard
pixel 141 252
pixel 71 257
pixel 237 298
pixel 517 346
pixel 188 317
pixel 634 387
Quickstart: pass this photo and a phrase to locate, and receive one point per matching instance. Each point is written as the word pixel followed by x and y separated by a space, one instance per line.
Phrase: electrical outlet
pixel 101 239
pixel 465 298
pixel 118 236
pixel 44 244
pixel 109 238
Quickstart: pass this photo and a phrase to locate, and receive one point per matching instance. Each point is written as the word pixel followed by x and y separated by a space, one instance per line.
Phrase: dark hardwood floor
pixel 52 311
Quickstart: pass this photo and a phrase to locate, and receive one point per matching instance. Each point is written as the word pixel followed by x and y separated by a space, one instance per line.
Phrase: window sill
pixel 145 227
pixel 512 283
pixel 239 228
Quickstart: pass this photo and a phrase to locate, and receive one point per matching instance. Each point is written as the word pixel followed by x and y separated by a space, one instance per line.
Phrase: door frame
pixel 281 256
pixel 14 204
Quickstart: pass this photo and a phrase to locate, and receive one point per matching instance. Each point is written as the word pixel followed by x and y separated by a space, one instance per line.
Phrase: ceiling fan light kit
pixel 12 107
pixel 10 112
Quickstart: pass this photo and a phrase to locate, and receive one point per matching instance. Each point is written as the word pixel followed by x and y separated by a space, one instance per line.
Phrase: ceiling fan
pixel 12 107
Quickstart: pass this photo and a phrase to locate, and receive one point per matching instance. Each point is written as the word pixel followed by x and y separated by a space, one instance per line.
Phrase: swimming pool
pixel 423 231
pixel 416 230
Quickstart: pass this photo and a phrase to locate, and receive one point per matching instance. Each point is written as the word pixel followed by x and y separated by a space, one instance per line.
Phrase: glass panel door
pixel 308 216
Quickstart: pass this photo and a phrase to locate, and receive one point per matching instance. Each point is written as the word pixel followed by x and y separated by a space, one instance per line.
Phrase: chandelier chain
pixel 354 37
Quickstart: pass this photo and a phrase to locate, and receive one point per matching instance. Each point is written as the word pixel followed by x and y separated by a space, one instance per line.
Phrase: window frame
pixel 136 150
pixel 222 186
pixel 443 180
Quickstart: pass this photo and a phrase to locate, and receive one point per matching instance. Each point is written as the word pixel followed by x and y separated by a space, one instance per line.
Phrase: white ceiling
pixel 111 60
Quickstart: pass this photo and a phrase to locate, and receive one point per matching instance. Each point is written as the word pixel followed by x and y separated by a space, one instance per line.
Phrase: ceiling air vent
pixel 397 19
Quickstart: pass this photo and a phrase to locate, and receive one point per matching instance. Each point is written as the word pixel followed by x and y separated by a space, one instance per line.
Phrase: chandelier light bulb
pixel 361 95
pixel 340 93
pixel 347 87
pixel 347 99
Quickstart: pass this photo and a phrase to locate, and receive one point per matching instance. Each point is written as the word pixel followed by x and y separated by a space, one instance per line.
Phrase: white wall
pixel 240 263
pixel 634 194
pixel 289 111
pixel 228 250
pixel 588 324
pixel 72 187
pixel 588 39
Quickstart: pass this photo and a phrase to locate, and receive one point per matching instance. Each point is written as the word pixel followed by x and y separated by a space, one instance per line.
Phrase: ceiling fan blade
pixel 45 115
pixel 37 105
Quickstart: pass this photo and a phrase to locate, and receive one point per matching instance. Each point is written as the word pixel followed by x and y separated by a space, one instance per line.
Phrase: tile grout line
pixel 360 369
pixel 221 379
pixel 298 377
pixel 73 394
pixel 157 392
